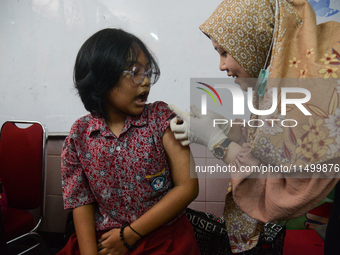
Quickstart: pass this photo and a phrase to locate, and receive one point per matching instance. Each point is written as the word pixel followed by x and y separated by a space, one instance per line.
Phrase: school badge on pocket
pixel 158 183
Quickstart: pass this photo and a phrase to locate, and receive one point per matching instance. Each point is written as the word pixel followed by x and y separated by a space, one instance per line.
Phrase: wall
pixel 56 216
pixel 40 40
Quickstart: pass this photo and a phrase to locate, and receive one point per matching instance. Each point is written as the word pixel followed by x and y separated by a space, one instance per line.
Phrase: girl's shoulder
pixel 82 121
pixel 159 114
pixel 87 123
pixel 157 107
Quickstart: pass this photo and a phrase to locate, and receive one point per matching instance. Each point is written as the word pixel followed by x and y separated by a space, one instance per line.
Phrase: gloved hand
pixel 198 128
pixel 202 129
pixel 181 131
pixel 212 115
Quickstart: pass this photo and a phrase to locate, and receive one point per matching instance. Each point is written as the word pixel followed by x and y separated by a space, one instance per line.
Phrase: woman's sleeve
pixel 271 199
pixel 244 135
pixel 76 189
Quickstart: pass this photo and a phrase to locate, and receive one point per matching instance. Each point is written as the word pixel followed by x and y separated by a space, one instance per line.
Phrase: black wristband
pixel 135 231
pixel 122 237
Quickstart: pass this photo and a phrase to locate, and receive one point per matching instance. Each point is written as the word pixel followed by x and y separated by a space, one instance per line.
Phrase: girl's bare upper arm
pixel 180 160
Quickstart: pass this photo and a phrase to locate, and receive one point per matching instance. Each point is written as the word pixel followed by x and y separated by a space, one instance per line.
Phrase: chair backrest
pixel 23 163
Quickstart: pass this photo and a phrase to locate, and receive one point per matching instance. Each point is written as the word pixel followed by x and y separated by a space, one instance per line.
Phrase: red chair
pixel 22 170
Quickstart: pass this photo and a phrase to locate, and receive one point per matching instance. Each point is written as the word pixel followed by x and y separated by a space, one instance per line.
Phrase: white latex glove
pixel 203 131
pixel 181 131
pixel 212 115
pixel 198 129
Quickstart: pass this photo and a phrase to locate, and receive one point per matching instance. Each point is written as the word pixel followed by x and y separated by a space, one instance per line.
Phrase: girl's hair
pixel 101 61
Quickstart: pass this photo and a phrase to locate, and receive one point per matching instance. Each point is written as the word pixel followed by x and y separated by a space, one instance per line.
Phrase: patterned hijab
pixel 301 50
pixel 244 29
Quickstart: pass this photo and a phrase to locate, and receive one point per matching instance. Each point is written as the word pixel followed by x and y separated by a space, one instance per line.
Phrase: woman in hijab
pixel 278 39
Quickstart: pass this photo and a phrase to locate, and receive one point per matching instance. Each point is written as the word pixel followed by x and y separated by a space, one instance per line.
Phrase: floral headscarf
pixel 244 29
pixel 307 56
pixel 301 50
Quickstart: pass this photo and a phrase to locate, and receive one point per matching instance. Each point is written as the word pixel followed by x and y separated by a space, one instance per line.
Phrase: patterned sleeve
pixel 244 130
pixel 76 189
pixel 164 115
pixel 271 199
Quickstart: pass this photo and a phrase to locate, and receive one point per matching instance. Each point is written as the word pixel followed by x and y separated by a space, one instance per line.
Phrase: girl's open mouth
pixel 141 98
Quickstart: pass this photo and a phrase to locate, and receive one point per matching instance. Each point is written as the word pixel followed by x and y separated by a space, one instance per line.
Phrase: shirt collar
pixel 98 123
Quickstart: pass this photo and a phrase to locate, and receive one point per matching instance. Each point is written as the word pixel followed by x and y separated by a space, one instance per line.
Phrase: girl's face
pixel 126 97
pixel 232 67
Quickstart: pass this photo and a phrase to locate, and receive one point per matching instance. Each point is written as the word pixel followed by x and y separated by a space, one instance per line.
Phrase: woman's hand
pixel 182 130
pixel 197 128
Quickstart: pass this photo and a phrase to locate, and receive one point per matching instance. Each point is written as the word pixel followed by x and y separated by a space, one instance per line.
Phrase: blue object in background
pixel 322 9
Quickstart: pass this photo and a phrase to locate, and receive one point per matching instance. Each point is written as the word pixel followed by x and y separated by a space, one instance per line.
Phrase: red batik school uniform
pixel 124 176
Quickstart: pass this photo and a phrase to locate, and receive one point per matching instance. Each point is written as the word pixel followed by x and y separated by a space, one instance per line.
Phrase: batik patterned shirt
pixel 124 176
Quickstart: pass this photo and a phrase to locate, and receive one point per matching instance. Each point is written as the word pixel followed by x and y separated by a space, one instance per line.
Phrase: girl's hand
pixel 111 243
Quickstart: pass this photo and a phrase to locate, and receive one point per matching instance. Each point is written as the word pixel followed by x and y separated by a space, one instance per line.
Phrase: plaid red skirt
pixel 178 238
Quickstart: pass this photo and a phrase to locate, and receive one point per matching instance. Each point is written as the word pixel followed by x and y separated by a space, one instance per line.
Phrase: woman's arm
pixel 185 190
pixel 83 217
pixel 265 198
pixel 271 199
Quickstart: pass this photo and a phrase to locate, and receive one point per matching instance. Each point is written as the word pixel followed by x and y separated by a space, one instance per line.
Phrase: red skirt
pixel 178 238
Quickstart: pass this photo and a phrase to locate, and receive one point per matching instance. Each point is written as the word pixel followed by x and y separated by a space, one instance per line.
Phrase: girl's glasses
pixel 138 74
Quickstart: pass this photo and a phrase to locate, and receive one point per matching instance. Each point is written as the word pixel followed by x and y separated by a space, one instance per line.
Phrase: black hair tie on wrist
pixel 122 237
pixel 135 231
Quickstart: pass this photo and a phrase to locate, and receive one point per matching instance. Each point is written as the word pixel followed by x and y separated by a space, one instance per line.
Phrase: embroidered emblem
pixel 158 183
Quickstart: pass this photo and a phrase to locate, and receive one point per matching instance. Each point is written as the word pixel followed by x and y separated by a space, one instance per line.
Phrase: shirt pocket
pixel 157 180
